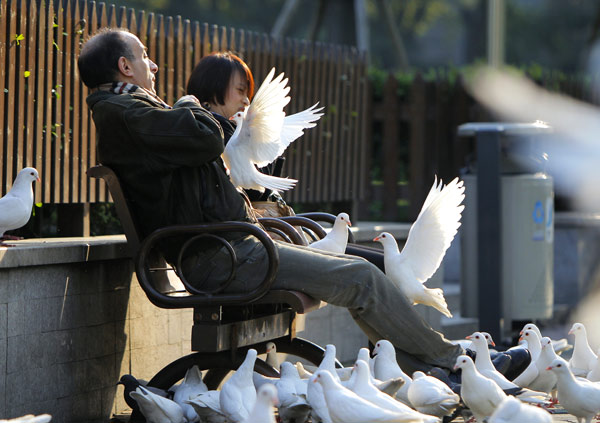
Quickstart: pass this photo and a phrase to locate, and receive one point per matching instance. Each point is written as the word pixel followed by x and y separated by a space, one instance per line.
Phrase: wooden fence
pixel 45 122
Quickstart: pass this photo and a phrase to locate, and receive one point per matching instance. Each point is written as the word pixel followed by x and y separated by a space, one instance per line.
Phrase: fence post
pixel 389 149
pixel 418 109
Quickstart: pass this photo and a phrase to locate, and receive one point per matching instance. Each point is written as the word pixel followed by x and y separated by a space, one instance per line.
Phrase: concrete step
pixel 458 327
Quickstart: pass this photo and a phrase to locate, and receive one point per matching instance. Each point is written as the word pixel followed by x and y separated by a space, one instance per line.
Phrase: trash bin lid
pixel 506 128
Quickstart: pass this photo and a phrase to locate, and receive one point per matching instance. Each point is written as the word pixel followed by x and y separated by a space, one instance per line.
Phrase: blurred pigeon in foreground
pixel 583 359
pixel 16 205
pixel 30 418
pixel 263 411
pixel 511 410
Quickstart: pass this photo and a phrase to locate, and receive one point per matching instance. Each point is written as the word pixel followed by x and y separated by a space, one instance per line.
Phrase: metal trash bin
pixel 516 284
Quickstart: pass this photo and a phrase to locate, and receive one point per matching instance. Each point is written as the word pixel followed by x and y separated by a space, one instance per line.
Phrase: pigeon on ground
pixel 533 342
pixel 428 239
pixel 337 239
pixel 191 386
pixel 272 359
pixel 208 407
pixel 291 392
pixel 157 409
pixel 480 394
pixel 583 358
pixel 559 345
pixel 130 384
pixel 16 205
pixel 485 366
pixel 302 371
pixel 364 388
pixel 579 397
pixel 29 418
pixel 594 374
pixel 511 410
pixel 386 367
pixel 389 386
pixel 262 134
pixel 429 395
pixel 263 410
pixel 347 407
pixel 238 394
pixel 314 391
pixel 535 376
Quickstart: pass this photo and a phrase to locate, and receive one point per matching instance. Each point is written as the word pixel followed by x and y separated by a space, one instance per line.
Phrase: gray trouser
pixel 375 303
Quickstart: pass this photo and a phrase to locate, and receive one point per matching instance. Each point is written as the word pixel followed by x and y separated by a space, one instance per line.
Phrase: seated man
pixel 168 162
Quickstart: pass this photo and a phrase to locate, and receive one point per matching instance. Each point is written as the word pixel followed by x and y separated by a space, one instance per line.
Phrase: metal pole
pixel 495 41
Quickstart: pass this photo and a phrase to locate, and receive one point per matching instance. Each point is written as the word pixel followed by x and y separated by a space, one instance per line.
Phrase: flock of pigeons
pixel 376 390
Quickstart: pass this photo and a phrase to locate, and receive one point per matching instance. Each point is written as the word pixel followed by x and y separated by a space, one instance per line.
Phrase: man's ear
pixel 124 67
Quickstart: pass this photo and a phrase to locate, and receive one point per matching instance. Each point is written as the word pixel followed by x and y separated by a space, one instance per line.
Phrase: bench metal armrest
pixel 283 228
pixel 163 300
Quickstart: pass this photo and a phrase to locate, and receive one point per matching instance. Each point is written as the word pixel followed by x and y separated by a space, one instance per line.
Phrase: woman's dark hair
pixel 211 76
pixel 98 61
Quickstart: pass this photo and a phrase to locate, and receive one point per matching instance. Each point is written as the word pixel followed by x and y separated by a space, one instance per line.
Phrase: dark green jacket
pixel 167 160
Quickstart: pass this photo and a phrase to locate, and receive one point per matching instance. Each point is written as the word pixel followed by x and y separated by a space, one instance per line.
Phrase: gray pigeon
pixel 16 205
pixel 130 384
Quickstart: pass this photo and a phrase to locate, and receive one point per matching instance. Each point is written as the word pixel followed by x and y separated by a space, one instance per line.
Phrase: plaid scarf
pixel 119 87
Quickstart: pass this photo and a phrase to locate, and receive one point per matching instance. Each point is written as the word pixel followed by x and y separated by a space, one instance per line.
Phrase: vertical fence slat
pixel 77 108
pixel 179 62
pixel 31 68
pixel 4 93
pixel 169 64
pixel 13 94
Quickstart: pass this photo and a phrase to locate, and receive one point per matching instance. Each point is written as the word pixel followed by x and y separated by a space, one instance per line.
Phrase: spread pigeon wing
pixel 433 231
pixel 264 119
pixel 294 125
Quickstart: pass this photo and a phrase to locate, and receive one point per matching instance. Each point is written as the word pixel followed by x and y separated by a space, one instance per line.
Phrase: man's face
pixel 142 68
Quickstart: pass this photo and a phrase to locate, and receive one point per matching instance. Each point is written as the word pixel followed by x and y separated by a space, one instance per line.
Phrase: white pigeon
pixel 386 367
pixel 347 407
pixel 579 397
pixel 428 239
pixel 583 358
pixel 291 392
pixel 29 418
pixel 364 388
pixel 302 371
pixel 480 394
pixel 511 410
pixel 535 376
pixel 263 410
pixel 191 386
pixel 389 386
pixel 157 409
pixel 262 134
pixel 208 407
pixel 337 238
pixel 532 343
pixel 238 394
pixel 314 391
pixel 468 344
pixel 594 374
pixel 484 365
pixel 272 359
pixel 559 345
pixel 429 395
pixel 16 205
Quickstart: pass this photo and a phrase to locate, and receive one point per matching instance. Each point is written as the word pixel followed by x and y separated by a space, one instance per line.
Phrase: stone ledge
pixel 43 251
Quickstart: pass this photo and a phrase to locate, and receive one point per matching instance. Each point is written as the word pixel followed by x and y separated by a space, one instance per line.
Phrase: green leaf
pixel 19 38
pixel 38 205
pixel 26 74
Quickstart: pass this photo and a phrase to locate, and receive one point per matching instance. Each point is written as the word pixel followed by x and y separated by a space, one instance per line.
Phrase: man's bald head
pixel 99 57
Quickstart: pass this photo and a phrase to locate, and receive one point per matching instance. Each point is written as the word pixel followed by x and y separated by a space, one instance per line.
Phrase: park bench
pixel 225 325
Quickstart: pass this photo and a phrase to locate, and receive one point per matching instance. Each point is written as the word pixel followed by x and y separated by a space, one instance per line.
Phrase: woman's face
pixel 236 96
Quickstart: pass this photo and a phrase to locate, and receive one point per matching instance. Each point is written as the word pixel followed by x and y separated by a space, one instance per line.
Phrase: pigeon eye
pixel 477 337
pixel 464 361
pixel 559 365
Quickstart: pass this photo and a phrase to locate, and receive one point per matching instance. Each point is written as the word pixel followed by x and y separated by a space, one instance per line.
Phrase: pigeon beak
pixel 520 338
pixel 492 343
pixel 455 368
pixel 349 223
pixel 570 332
pixel 38 179
pixel 521 333
pixel 549 368
pixel 376 238
pixel 468 337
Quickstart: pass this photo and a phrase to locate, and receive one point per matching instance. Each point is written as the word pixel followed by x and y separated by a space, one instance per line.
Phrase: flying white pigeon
pixel 347 407
pixel 16 205
pixel 429 395
pixel 208 407
pixel 157 409
pixel 337 239
pixel 314 391
pixel 263 410
pixel 262 134
pixel 480 394
pixel 29 418
pixel 583 358
pixel 238 394
pixel 364 388
pixel 579 397
pixel 386 367
pixel 535 376
pixel 559 345
pixel 511 410
pixel 191 386
pixel 428 239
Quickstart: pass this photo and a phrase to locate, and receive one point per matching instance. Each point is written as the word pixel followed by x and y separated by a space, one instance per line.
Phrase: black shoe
pixel 452 379
pixel 501 362
pixel 519 360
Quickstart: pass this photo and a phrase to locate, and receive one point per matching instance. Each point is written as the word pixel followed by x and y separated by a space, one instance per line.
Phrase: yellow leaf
pixel 26 74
